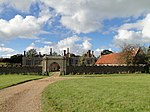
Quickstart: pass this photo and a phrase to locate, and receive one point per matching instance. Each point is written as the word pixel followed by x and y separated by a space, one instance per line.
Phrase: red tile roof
pixel 114 58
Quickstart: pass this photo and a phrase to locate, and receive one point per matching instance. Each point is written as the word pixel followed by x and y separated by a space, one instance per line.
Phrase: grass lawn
pixel 99 94
pixel 9 80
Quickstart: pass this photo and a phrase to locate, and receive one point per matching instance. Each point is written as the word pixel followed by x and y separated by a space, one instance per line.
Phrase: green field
pixel 99 94
pixel 9 80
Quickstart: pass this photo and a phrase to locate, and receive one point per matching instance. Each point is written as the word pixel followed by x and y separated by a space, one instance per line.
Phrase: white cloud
pixel 43 41
pixel 31 46
pixel 47 42
pixel 134 33
pixel 18 26
pixel 6 52
pixel 5 49
pixel 20 5
pixel 68 42
pixel 77 45
pixel 87 15
pixel 98 51
pixel 44 14
pixel 84 16
pixel 86 45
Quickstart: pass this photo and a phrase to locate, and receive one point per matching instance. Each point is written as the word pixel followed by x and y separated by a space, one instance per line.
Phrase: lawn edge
pixel 21 83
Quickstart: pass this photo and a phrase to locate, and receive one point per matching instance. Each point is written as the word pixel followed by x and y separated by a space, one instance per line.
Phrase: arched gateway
pixel 54 67
pixel 54 63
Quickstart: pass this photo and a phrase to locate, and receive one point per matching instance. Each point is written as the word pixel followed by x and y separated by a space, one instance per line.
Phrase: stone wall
pixel 20 69
pixel 104 69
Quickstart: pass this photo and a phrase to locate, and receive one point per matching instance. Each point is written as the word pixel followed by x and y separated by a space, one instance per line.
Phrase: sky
pixel 80 25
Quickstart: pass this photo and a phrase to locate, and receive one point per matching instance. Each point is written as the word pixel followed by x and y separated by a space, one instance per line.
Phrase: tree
pixel 16 58
pixel 134 54
pixel 148 55
pixel 31 53
pixel 140 58
pixel 104 52
pixel 6 60
pixel 127 51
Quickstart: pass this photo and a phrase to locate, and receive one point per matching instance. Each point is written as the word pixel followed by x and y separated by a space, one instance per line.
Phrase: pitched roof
pixel 114 58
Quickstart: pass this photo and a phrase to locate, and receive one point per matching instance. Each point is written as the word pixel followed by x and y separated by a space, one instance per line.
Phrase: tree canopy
pixel 31 53
pixel 134 54
pixel 104 52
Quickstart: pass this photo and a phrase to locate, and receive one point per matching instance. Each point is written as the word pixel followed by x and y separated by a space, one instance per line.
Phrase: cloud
pixel 68 42
pixel 6 52
pixel 31 46
pixel 18 26
pixel 86 45
pixel 98 51
pixel 76 44
pixel 47 42
pixel 20 5
pixel 43 41
pixel 84 16
pixel 134 33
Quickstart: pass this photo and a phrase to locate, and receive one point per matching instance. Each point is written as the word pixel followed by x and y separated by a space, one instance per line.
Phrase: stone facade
pixel 53 62
pixel 32 61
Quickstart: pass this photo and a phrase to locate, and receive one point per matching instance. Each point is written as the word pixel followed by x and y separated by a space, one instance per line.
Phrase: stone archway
pixel 50 61
pixel 54 67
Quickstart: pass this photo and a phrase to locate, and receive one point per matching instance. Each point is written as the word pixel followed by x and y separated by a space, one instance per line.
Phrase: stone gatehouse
pixel 52 62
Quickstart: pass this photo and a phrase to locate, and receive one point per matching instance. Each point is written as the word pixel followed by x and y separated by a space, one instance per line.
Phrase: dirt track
pixel 25 97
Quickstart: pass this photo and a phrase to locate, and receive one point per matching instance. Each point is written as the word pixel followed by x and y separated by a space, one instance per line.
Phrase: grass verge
pixel 104 75
pixel 13 79
pixel 99 94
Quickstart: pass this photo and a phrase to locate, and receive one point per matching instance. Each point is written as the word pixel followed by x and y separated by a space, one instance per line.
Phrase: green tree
pixel 16 58
pixel 127 51
pixel 148 55
pixel 134 54
pixel 104 52
pixel 31 53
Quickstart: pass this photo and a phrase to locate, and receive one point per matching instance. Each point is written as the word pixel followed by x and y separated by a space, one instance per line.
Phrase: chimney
pixel 24 53
pixel 89 53
pixel 51 51
pixel 67 50
pixel 92 53
pixel 64 52
pixel 39 54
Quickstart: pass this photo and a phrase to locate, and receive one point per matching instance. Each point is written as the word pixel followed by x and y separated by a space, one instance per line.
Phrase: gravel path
pixel 25 97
